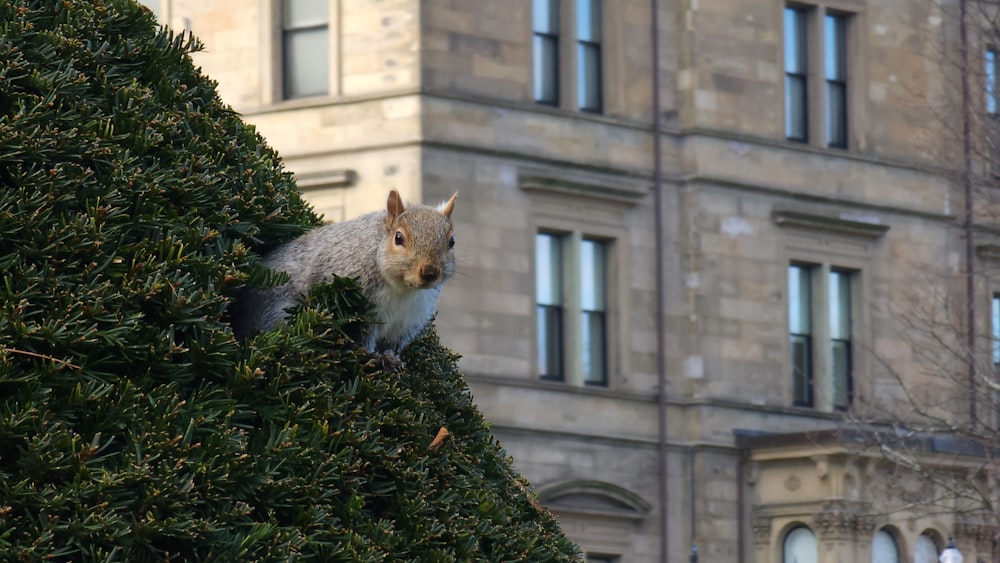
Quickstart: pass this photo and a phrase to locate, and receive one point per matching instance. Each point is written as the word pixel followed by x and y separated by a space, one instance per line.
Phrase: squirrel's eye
pixel 451 242
pixel 399 238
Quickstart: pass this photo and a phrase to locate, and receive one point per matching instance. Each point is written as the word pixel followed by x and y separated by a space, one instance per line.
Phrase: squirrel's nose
pixel 429 272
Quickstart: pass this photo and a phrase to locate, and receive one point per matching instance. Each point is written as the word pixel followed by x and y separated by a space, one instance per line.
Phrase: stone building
pixel 768 179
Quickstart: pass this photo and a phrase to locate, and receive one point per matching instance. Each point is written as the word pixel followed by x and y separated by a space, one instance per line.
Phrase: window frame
pixel 799 74
pixel 573 309
pixel 836 81
pixel 822 380
pixel 589 44
pixel 550 36
pixel 788 536
pixel 819 121
pixel 288 32
pixel 569 73
pixel 272 84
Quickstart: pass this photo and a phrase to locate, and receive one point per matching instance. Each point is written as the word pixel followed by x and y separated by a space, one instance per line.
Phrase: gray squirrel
pixel 401 257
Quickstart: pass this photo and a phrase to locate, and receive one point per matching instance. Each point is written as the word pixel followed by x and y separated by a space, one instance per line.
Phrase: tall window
pixel 549 308
pixel 995 323
pixel 990 79
pixel 571 287
pixel 588 37
pixel 305 38
pixel 839 312
pixel 816 98
pixel 593 302
pixel 925 550
pixel 796 76
pixel 821 358
pixel 545 18
pixel 835 66
pixel 884 548
pixel 800 546
pixel 800 334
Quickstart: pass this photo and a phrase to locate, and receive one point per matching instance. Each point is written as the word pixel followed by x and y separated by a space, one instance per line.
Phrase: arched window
pixel 884 548
pixel 800 546
pixel 925 550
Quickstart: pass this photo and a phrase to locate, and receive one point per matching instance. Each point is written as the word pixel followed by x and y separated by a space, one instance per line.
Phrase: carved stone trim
pixel 761 529
pixel 608 188
pixel 838 225
pixel 340 178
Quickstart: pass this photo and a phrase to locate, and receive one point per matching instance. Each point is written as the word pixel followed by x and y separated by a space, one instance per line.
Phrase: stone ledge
pixel 578 185
pixel 835 225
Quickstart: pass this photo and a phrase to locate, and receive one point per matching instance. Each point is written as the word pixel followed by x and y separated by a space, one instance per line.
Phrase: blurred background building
pixel 765 178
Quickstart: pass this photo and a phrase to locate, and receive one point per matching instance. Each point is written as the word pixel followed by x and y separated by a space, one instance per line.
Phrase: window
pixel 588 36
pixel 820 353
pixel 546 51
pixel 816 75
pixel 593 302
pixel 571 307
pixel 995 352
pixel 835 67
pixel 995 324
pixel 796 87
pixel 549 288
pixel 557 27
pixel 925 550
pixel 305 37
pixel 884 548
pixel 990 78
pixel 840 338
pixel 592 558
pixel 800 334
pixel 800 546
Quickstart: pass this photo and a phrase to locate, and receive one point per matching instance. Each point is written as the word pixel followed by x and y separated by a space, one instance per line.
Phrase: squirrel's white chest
pixel 403 313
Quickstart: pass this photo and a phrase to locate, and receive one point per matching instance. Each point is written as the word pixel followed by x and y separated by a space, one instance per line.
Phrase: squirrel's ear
pixel 394 208
pixel 447 207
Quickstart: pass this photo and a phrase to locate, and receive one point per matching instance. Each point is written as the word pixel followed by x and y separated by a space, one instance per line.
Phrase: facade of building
pixel 768 179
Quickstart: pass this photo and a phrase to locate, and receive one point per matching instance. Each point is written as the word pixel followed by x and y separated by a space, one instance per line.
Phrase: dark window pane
pixel 795 108
pixel 550 338
pixel 801 347
pixel 589 68
pixel 546 69
pixel 588 20
pixel 836 114
pixel 594 345
pixel 840 354
pixel 306 62
pixel 545 16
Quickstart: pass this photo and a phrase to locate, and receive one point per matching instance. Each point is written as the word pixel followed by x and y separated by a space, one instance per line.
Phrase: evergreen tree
pixel 133 425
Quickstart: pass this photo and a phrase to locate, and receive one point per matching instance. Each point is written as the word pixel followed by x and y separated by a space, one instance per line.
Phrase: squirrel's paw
pixel 390 360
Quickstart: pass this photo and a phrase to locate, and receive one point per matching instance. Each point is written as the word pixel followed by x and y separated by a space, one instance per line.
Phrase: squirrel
pixel 400 256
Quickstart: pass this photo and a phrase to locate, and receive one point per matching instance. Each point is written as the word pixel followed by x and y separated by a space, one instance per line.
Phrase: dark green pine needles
pixel 133 426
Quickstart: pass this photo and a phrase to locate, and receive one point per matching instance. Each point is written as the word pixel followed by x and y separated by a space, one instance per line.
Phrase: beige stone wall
pixel 435 96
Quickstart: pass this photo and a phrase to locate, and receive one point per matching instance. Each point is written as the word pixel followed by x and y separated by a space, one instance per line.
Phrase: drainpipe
pixel 970 249
pixel 661 363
